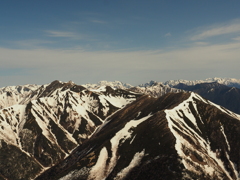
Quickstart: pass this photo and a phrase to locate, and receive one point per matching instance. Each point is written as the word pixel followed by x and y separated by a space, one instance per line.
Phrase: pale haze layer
pixel 130 41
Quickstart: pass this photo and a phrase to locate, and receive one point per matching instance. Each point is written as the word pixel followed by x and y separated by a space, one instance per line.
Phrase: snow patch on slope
pixel 135 161
pixel 119 138
pixel 97 172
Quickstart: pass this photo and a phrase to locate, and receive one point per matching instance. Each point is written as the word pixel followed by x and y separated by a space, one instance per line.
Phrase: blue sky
pixel 133 41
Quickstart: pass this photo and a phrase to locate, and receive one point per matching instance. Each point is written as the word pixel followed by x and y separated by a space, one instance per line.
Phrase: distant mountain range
pixel 222 91
pixel 111 130
pixel 231 82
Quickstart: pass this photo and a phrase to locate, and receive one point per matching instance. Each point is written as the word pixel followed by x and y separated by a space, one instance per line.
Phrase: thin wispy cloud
pixel 236 38
pixel 201 43
pixel 98 21
pixel 62 34
pixel 168 35
pixel 31 43
pixel 109 59
pixel 217 30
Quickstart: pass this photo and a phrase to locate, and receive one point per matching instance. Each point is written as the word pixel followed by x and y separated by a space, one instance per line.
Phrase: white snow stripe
pixel 135 161
pixel 171 115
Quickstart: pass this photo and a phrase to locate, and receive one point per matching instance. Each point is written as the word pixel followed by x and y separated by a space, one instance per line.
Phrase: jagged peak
pixel 113 84
pixel 150 83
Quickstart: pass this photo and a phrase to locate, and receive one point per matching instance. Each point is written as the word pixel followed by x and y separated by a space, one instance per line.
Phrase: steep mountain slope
pixel 176 136
pixel 50 123
pixel 228 97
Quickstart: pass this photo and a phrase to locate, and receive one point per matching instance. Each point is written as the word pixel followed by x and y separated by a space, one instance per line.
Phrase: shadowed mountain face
pixel 49 123
pixel 228 97
pixel 177 136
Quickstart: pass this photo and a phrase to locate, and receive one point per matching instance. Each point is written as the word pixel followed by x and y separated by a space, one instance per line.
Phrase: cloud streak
pixel 98 21
pixel 217 30
pixel 62 34
pixel 236 38
pixel 168 35
pixel 31 43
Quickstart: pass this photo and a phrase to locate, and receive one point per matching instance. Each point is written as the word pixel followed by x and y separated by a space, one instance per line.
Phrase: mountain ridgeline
pixel 117 131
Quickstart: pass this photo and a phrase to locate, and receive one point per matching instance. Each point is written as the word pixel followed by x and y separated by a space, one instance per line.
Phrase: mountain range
pixel 176 136
pixel 231 82
pixel 112 130
pixel 50 122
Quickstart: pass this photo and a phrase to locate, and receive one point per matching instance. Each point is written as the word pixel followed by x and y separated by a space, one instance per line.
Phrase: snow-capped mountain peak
pixel 150 83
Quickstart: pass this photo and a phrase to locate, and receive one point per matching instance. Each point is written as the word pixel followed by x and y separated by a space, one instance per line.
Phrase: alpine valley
pixel 160 131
